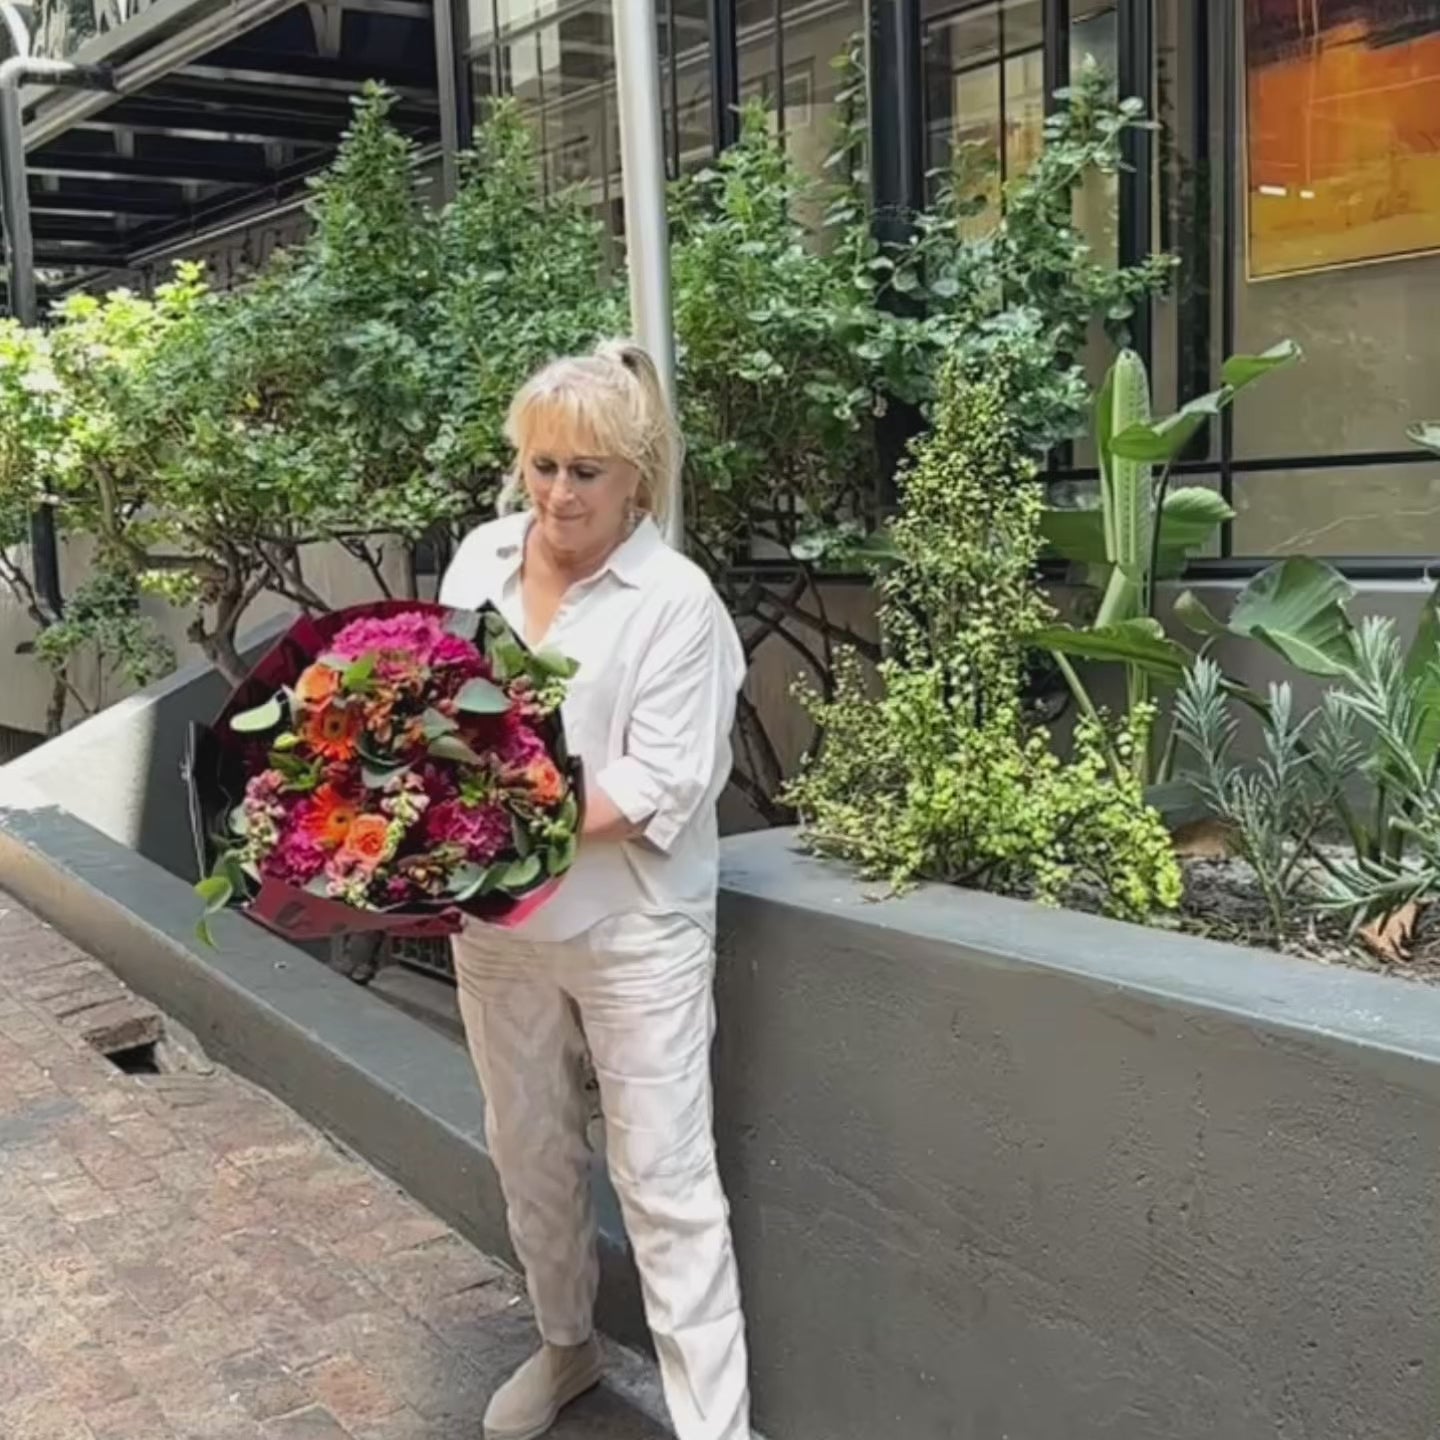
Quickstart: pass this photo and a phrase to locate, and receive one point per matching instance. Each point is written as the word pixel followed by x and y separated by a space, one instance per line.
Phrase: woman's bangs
pixel 568 421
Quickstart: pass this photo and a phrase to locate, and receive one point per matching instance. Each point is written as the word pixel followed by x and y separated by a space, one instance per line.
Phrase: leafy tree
pixel 523 280
pixel 44 433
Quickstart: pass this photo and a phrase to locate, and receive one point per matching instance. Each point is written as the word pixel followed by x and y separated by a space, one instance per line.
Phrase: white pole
pixel 642 168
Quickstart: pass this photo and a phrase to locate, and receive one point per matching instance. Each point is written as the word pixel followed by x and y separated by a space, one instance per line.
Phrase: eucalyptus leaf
pixel 506 657
pixel 435 724
pixel 452 747
pixel 259 719
pixel 522 873
pixel 377 778
pixel 482 697
pixel 465 880
pixel 561 856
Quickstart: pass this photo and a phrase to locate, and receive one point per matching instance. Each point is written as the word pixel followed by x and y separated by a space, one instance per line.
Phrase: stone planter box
pixel 1005 1171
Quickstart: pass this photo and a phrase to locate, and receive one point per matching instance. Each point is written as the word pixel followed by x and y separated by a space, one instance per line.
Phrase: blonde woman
pixel 622 958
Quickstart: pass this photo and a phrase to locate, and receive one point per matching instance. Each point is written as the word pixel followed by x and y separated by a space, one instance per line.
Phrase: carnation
pixel 297 859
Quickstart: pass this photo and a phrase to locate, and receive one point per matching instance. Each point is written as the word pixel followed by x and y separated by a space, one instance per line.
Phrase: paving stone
pixel 350 1391
pixel 21 1375
pixel 44 1418
pixel 137 1419
pixel 313 1424
pixel 263 1386
pixel 183 1258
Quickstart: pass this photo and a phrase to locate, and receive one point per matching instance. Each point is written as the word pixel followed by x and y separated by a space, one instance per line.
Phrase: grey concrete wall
pixel 1000 1171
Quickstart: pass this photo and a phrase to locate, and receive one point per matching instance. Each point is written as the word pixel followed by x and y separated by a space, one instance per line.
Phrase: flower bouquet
pixel 394 766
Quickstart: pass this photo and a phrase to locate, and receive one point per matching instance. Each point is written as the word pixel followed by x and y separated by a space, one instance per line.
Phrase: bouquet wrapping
pixel 394 766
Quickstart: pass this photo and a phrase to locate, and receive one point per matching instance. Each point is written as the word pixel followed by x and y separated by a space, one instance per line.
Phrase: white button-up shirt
pixel 649 714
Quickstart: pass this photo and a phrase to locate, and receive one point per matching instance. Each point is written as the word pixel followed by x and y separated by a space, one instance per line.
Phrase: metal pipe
pixel 447 89
pixel 642 173
pixel 1137 182
pixel 24 300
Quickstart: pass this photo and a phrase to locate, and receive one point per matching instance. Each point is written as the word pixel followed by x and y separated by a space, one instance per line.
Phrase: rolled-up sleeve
pixel 677 750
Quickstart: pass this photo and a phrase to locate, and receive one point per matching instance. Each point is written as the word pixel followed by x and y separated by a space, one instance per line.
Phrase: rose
pixel 547 784
pixel 367 845
pixel 317 686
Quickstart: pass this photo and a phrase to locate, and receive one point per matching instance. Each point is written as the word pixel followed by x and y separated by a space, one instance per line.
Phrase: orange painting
pixel 1343 132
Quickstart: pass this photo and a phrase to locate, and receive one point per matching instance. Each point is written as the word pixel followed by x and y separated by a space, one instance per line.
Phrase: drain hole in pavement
pixel 136 1060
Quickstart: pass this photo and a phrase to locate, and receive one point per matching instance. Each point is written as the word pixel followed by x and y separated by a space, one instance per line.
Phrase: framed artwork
pixel 1342 144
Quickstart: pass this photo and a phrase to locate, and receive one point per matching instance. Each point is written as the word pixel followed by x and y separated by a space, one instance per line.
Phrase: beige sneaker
pixel 530 1401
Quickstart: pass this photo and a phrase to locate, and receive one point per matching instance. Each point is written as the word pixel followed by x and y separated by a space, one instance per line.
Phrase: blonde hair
pixel 614 394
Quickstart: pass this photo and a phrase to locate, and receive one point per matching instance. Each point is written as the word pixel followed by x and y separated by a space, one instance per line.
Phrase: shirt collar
pixel 626 562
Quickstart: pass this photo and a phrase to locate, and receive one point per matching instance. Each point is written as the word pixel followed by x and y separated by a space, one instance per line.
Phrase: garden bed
pixel 1223 902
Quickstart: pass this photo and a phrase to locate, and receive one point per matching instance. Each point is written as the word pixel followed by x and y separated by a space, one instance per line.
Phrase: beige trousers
pixel 639 991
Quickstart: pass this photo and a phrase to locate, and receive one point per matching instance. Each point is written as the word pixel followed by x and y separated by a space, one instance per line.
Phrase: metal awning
pixel 220 111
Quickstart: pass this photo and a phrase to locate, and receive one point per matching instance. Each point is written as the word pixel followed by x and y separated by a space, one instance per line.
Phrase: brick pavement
pixel 183 1258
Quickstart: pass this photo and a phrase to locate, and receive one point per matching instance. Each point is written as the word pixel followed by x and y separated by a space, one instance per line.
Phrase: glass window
pixel 1327 187
pixel 985 92
pixel 812 37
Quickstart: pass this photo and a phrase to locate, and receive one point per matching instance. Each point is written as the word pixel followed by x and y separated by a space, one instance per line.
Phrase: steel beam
pixel 156 169
pixel 724 74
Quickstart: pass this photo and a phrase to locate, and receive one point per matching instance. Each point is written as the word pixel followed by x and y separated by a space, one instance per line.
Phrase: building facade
pixel 1292 174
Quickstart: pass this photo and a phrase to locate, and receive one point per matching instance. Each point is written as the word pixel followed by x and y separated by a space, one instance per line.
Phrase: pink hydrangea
pixel 411 633
pixel 483 830
pixel 297 859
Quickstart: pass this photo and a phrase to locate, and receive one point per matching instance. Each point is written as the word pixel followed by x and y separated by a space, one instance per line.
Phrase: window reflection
pixel 985 89
pixel 557 60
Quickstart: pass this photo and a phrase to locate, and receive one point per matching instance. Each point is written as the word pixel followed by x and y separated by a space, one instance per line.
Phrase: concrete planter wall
pixel 1001 1171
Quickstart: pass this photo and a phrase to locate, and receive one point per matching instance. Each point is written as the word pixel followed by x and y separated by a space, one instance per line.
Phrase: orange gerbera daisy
pixel 331 817
pixel 368 844
pixel 317 686
pixel 333 731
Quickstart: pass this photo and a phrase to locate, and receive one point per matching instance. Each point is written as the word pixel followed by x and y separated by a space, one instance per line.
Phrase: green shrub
pixel 934 774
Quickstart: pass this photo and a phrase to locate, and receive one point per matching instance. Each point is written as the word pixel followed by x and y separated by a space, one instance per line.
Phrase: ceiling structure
pixel 222 111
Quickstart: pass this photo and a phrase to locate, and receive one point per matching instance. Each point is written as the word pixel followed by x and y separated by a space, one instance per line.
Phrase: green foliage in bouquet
pixel 936 775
